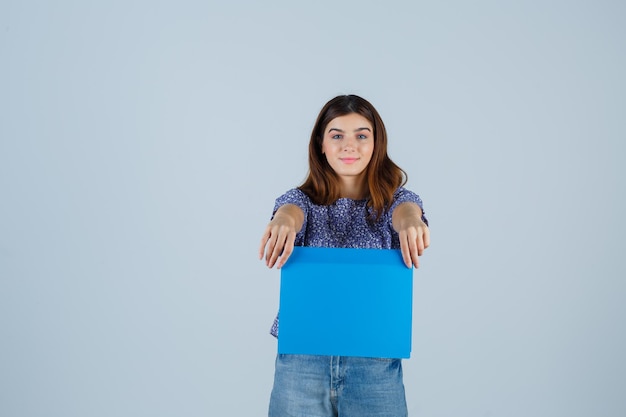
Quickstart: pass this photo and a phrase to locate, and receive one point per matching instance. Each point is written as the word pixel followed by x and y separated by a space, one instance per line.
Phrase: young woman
pixel 353 197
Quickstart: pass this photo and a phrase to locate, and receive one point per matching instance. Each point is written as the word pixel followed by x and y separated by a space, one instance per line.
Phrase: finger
pixel 420 244
pixel 287 250
pixel 273 253
pixel 414 250
pixel 415 247
pixel 269 249
pixel 278 248
pixel 404 249
pixel 264 240
pixel 426 237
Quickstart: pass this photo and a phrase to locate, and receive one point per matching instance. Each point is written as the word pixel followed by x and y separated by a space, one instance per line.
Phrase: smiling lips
pixel 348 160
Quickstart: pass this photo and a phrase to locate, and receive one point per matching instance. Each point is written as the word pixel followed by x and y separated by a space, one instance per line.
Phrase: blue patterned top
pixel 346 223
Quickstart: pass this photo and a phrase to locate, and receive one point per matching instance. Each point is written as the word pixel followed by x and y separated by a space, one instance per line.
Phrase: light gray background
pixel 142 145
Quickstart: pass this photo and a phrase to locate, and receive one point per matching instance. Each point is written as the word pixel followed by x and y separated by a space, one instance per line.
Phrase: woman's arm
pixel 413 232
pixel 280 234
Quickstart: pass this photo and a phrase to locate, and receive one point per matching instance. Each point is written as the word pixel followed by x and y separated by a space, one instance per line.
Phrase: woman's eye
pixel 362 136
pixel 337 137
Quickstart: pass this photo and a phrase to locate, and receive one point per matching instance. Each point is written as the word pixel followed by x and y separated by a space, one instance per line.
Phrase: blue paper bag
pixel 346 302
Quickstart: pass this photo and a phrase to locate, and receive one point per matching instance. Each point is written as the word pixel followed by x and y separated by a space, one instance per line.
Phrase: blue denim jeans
pixel 337 386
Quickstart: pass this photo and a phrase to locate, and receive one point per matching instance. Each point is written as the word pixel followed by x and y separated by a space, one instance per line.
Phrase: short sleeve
pixel 298 198
pixel 402 195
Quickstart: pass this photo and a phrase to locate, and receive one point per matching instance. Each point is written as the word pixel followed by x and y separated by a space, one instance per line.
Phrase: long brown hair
pixel 383 176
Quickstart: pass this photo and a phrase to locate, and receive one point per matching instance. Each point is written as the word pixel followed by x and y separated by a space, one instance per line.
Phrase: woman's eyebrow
pixel 356 130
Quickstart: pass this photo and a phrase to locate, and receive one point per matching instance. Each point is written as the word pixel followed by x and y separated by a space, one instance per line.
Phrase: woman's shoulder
pixel 402 195
pixel 402 192
pixel 294 196
pixel 295 193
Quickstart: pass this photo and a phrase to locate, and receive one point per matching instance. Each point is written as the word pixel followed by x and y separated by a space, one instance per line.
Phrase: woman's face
pixel 348 145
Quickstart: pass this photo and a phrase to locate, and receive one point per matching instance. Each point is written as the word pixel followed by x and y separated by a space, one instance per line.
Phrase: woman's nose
pixel 349 143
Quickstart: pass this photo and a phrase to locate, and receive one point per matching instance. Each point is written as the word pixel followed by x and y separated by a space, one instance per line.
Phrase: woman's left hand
pixel 413 232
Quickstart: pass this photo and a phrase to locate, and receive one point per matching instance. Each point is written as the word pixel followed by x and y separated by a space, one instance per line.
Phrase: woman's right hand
pixel 280 234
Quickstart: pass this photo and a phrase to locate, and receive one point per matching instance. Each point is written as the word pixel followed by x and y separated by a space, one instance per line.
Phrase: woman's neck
pixel 354 188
